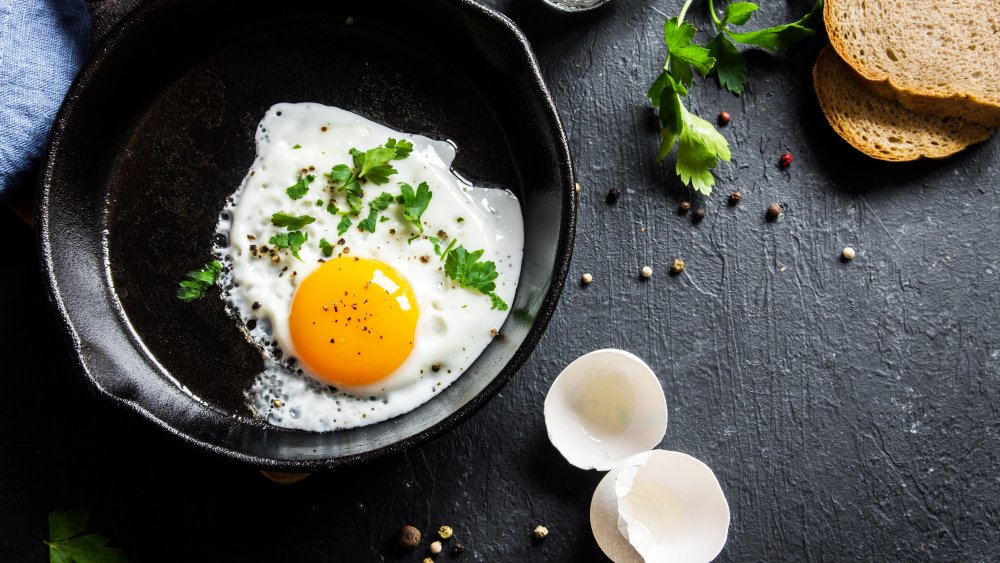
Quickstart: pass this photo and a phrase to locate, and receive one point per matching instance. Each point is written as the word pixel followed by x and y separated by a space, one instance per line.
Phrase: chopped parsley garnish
pixel 332 208
pixel 68 543
pixel 437 244
pixel 296 146
pixel 345 223
pixel 414 203
pixel 468 271
pixel 371 165
pixel 291 222
pixel 319 203
pixel 497 303
pixel 198 282
pixel 299 189
pixel 326 247
pixel 375 206
pixel 292 240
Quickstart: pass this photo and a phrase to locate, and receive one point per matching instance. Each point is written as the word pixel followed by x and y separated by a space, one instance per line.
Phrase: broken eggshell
pixel 603 408
pixel 660 506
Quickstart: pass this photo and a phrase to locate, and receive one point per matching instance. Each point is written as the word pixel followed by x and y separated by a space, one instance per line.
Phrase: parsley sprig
pixel 700 147
pixel 292 240
pixel 198 282
pixel 300 188
pixel 374 207
pixel 68 543
pixel 466 269
pixel 731 65
pixel 414 202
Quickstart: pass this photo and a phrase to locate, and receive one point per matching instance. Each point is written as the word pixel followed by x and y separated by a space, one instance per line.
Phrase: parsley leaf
pixel 699 148
pixel 403 147
pixel 296 146
pixel 299 189
pixel 291 222
pixel 678 39
pixel 730 65
pixel 437 244
pixel 414 203
pixel 468 271
pixel 376 205
pixel 332 208
pixel 340 173
pixel 779 36
pixel 292 240
pixel 198 282
pixel 354 200
pixel 738 13
pixel 68 544
pixel 326 247
pixel 497 302
pixel 345 223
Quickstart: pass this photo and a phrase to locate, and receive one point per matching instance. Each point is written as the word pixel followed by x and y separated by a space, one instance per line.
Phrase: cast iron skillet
pixel 158 130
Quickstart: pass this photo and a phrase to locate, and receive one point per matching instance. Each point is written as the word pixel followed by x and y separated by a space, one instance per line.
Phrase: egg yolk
pixel 353 321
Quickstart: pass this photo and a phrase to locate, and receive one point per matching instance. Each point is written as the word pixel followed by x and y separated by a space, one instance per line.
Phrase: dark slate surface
pixel 850 410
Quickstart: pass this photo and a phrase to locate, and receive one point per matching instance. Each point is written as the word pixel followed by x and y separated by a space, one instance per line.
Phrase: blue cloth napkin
pixel 43 43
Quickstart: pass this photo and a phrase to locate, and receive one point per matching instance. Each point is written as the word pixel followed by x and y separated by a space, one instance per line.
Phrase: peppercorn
pixel 586 279
pixel 457 549
pixel 724 118
pixel 735 197
pixel 646 271
pixel 409 537
pixel 698 214
pixel 786 160
pixel 773 211
pixel 613 194
pixel 435 547
pixel 848 254
pixel 677 267
pixel 445 532
pixel 684 207
pixel 427 560
pixel 541 532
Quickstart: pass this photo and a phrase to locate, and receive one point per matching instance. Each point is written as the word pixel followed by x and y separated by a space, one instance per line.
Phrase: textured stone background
pixel 851 411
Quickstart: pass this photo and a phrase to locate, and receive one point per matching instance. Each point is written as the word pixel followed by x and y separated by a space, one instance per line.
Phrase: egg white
pixel 455 324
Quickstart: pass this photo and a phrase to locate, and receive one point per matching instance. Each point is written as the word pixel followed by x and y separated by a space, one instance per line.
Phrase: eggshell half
pixel 603 408
pixel 660 506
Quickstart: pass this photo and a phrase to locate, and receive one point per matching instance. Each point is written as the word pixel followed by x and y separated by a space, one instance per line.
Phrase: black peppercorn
pixel 735 197
pixel 724 118
pixel 698 214
pixel 684 207
pixel 458 548
pixel 773 211
pixel 613 194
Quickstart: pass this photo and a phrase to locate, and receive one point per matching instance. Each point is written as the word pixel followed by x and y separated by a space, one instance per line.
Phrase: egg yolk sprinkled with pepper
pixel 353 321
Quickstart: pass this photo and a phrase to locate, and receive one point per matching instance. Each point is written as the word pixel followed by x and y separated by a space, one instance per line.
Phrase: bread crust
pixel 920 99
pixel 880 127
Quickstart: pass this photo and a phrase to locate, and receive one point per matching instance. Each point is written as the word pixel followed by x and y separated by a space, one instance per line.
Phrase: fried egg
pixel 360 326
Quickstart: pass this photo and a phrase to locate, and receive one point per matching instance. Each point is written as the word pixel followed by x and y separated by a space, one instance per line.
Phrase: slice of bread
pixel 881 128
pixel 933 56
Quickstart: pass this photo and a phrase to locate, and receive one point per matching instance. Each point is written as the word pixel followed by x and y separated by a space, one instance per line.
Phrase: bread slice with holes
pixel 881 128
pixel 937 57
